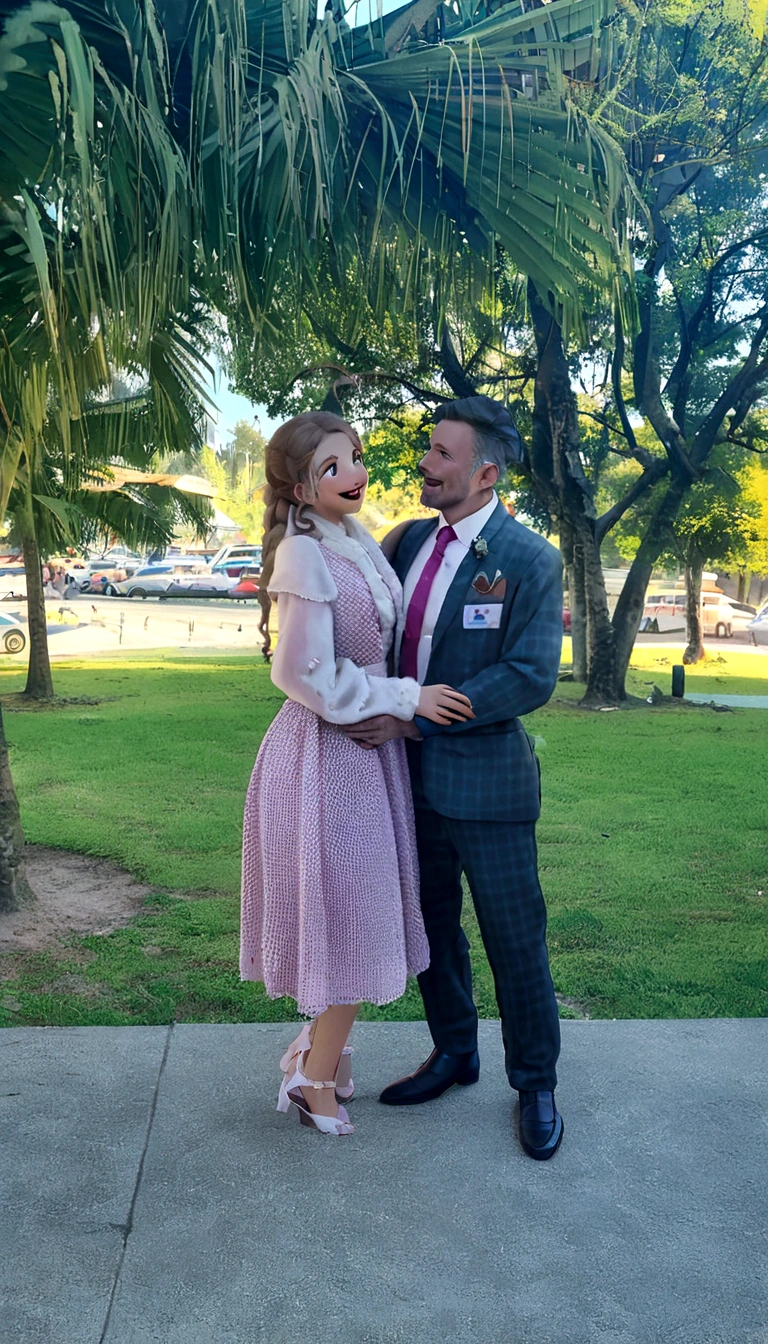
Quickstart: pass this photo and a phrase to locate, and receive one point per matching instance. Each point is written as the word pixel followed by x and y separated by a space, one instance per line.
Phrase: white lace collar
pixel 351 540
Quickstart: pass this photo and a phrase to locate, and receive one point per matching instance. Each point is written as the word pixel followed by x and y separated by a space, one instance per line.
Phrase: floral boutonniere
pixel 480 548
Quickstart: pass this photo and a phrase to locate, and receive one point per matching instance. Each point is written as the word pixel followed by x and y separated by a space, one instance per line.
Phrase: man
pixel 483 601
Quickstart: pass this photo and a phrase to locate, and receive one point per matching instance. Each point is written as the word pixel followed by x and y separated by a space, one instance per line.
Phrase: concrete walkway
pixel 150 1192
pixel 732 701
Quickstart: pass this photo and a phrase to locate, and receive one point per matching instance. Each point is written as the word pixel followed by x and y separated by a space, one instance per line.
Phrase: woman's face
pixel 341 478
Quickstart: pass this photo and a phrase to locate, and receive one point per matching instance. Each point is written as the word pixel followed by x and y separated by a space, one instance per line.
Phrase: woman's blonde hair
pixel 289 456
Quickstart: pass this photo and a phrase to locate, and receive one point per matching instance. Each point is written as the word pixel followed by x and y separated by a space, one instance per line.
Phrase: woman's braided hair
pixel 289 455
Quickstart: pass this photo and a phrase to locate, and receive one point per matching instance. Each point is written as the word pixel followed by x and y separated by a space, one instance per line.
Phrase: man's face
pixel 447 469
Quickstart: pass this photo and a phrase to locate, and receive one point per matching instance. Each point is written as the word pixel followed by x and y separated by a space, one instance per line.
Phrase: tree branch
pixel 649 478
pixel 752 372
pixel 617 365
pixel 744 443
pixel 689 329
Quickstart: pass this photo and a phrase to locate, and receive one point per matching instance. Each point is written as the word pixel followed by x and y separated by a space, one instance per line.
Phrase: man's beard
pixel 445 501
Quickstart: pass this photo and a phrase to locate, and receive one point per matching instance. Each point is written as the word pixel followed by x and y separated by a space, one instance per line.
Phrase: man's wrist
pixel 410 729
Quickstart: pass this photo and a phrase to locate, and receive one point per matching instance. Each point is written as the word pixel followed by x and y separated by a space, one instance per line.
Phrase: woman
pixel 330 911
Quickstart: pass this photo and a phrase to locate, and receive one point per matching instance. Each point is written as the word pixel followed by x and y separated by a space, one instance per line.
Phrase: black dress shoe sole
pixel 549 1149
pixel 432 1095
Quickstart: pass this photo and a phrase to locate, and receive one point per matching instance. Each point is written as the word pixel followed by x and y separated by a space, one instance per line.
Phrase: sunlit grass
pixel 726 668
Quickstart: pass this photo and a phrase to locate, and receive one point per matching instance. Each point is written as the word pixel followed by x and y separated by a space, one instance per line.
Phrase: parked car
pixel 742 614
pixel 721 615
pixel 233 559
pixel 248 583
pixel 202 583
pixel 758 628
pixel 13 636
pixel 154 579
pixel 566 620
pixel 122 558
pixel 13 582
pixel 99 576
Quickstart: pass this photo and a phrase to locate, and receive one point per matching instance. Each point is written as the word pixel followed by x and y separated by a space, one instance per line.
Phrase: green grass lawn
pixel 653 849
pixel 726 668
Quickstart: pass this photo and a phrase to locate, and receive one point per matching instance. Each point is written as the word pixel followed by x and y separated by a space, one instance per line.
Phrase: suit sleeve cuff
pixel 426 727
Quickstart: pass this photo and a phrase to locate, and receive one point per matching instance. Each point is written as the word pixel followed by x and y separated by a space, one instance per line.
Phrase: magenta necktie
pixel 409 654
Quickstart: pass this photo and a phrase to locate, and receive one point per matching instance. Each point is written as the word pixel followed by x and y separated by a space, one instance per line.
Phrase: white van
pixel 717 615
pixel 664 612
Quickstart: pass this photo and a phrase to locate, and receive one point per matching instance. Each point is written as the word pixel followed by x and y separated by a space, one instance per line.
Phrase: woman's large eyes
pixel 357 456
pixel 330 470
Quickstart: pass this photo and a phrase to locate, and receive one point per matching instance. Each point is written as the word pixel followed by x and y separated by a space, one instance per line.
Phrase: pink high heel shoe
pixel 291 1095
pixel 345 1088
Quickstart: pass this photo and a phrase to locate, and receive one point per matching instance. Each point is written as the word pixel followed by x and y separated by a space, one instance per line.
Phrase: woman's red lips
pixel 352 494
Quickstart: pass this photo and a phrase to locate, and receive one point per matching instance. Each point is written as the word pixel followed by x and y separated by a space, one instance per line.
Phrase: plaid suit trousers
pixel 500 861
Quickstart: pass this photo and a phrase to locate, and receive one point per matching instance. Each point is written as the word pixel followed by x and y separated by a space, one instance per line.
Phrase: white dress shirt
pixel 466 530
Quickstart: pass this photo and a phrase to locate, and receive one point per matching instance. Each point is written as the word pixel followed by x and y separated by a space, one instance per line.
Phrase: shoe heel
pixel 344 1086
pixel 470 1078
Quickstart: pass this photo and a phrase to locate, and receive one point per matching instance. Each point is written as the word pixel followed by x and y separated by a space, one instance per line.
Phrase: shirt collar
pixel 470 527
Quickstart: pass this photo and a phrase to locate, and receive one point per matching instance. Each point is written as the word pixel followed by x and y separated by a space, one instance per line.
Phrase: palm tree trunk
pixel 695 650
pixel 14 890
pixel 39 680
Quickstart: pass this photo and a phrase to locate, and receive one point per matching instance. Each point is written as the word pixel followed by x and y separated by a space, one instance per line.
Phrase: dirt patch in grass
pixel 75 894
pixel 17 701
pixel 571 1007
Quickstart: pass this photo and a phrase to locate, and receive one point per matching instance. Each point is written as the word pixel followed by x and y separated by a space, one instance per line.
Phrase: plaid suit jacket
pixel 486 769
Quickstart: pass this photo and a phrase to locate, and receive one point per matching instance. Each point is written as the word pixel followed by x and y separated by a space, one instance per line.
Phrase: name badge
pixel 483 617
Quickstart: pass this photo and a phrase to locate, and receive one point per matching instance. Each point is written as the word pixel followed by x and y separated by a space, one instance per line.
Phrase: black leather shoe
pixel 541 1125
pixel 435 1076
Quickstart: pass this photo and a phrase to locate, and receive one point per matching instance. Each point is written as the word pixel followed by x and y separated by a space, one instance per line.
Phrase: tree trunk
pixel 573 559
pixel 629 608
pixel 39 680
pixel 695 650
pixel 556 456
pixel 14 890
pixel 579 617
pixel 604 686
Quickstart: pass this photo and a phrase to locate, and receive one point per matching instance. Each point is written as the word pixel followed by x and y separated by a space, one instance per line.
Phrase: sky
pixel 232 407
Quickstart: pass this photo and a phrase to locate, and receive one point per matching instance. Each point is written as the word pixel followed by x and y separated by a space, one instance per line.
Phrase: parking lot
pixel 92 624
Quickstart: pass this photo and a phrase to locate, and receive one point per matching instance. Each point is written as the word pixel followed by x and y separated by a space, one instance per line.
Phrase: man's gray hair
pixel 496 438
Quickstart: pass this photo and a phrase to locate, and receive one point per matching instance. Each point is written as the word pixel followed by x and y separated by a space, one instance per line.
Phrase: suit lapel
pixel 456 594
pixel 410 545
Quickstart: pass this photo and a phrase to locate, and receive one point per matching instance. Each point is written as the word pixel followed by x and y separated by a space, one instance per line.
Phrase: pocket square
pixel 497 588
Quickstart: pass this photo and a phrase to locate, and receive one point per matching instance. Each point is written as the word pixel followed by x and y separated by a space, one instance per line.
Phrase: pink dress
pixel 330 904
